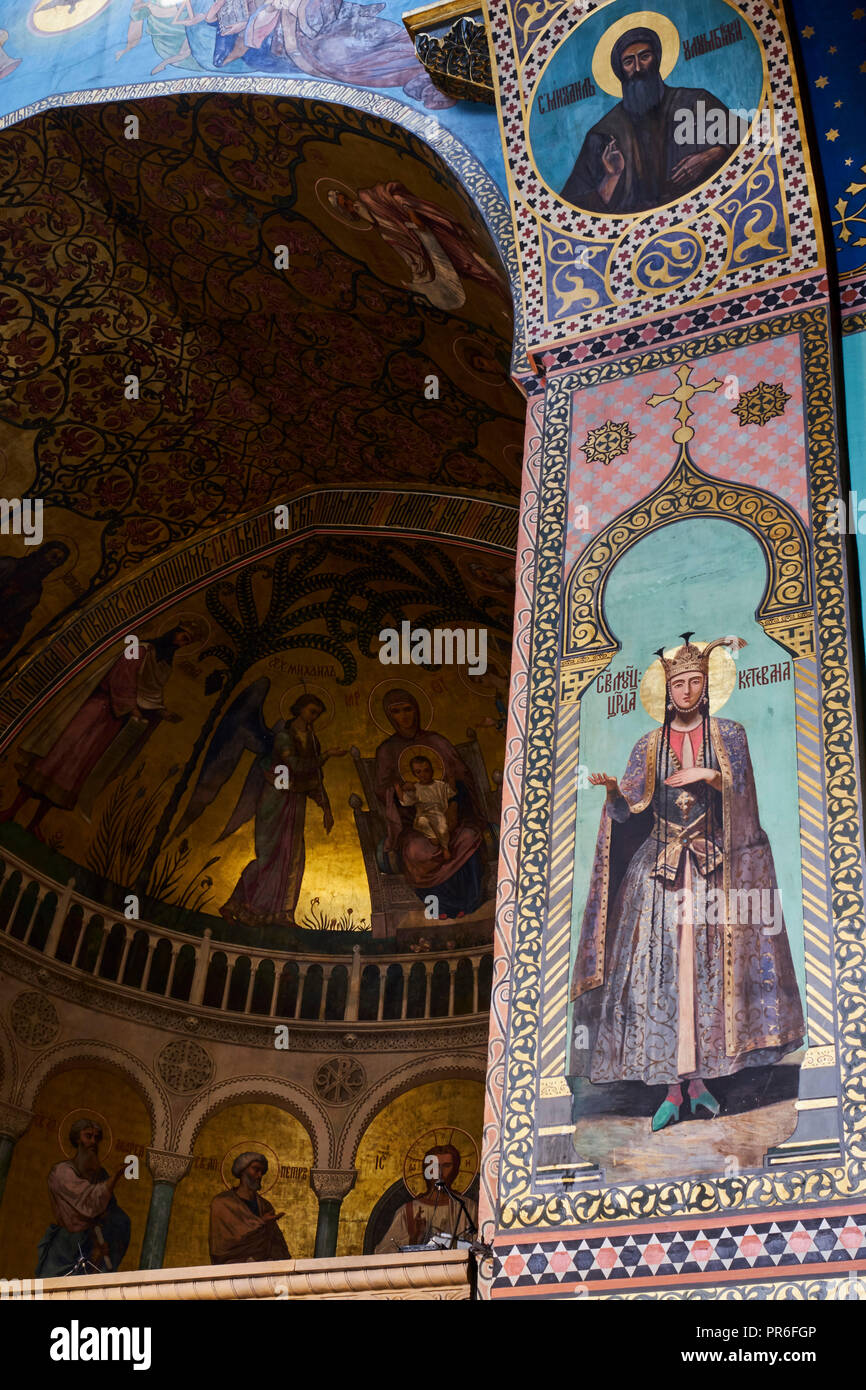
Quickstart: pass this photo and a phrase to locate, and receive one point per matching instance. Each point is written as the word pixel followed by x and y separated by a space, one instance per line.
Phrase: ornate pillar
pixel 354 993
pixel 202 961
pixel 59 918
pixel 13 1123
pixel 330 1185
pixel 167 1170
pixel 642 328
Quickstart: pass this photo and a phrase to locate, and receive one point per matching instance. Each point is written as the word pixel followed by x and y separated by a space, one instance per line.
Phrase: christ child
pixel 430 797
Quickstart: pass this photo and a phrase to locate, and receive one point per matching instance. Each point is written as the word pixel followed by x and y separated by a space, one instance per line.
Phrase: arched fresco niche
pixel 286 1185
pixel 101 1094
pixel 147 776
pixel 707 577
pixel 434 1106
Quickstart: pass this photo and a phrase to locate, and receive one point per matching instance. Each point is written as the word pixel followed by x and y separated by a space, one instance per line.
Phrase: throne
pixel 391 895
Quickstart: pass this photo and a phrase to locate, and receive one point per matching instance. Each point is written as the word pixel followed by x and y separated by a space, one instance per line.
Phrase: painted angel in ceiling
pixel 334 39
pixel 437 250
pixel 285 774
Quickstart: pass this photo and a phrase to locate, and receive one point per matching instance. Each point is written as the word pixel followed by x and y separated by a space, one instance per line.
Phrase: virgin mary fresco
pixel 456 881
pixel 683 970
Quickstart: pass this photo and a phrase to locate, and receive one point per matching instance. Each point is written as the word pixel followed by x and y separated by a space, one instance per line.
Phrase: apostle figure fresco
pixel 90 1231
pixel 454 875
pixel 434 1211
pixel 243 1224
pixel 287 772
pixel 683 970
pixel 93 735
pixel 165 21
pixel 436 250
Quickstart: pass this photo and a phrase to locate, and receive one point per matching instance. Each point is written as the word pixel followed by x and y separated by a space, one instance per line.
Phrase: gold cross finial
pixel 683 395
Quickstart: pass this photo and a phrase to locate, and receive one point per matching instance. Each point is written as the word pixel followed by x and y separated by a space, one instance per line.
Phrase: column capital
pixel 332 1184
pixel 168 1167
pixel 13 1121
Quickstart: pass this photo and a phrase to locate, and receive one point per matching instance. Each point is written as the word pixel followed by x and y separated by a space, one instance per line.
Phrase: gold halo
pixel 251 1146
pixel 288 698
pixel 602 71
pixel 419 750
pixel 58 19
pixel 413 1163
pixel 722 679
pixel 85 1112
pixel 377 696
pixel 326 185
pixel 170 620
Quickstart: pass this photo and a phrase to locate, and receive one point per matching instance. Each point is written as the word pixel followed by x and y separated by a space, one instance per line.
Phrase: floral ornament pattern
pixel 608 442
pixel 761 404
pixel 155 259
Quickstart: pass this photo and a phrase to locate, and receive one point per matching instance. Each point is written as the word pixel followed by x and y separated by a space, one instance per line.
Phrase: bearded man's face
pixel 642 86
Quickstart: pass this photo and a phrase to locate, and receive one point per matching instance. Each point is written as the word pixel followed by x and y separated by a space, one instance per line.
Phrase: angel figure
pixel 286 772
pixel 433 246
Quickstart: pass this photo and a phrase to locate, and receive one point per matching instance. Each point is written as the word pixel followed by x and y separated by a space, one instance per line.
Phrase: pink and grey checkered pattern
pixel 771 456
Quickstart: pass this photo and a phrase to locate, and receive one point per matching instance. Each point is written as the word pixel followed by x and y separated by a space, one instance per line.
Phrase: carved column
pixel 13 1123
pixel 330 1185
pixel 59 918
pixel 354 993
pixel 202 961
pixel 167 1170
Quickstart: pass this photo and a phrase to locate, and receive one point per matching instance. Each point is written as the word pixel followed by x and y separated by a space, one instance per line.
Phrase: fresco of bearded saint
pixel 631 160
pixel 673 985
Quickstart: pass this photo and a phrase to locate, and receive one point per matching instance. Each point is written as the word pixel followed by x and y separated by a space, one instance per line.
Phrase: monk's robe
pixel 650 152
pixel 237 1234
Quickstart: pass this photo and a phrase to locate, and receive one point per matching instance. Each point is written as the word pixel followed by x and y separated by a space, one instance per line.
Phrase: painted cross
pixel 683 396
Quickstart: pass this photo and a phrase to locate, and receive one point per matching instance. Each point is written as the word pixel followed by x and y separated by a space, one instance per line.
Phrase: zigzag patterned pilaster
pixel 817 913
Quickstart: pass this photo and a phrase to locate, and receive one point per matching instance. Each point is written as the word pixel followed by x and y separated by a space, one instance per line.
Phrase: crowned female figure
pixel 683 970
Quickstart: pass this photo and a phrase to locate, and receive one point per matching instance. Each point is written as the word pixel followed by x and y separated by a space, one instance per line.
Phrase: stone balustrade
pixel 430 1274
pixel 52 918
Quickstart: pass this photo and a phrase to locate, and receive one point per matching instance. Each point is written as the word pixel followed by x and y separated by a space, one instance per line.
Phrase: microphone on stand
pixel 442 1186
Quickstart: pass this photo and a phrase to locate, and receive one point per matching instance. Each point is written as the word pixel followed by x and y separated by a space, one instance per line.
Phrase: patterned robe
pixel 637 958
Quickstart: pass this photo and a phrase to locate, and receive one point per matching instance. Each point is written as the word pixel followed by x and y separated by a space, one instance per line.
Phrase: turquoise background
pixel 734 74
pixel 706 576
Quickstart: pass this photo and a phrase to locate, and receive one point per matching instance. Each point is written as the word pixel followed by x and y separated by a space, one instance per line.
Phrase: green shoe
pixel 707 1101
pixel 667 1114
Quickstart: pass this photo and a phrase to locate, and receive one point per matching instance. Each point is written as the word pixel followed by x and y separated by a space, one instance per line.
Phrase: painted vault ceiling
pixel 156 249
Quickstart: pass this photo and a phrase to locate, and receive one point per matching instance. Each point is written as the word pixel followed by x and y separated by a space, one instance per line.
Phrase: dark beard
pixel 641 94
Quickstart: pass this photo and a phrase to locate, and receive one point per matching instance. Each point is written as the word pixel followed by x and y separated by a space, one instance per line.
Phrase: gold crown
pixel 690 657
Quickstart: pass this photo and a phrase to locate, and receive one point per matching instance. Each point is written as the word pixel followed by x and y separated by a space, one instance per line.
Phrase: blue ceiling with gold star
pixel 832 36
